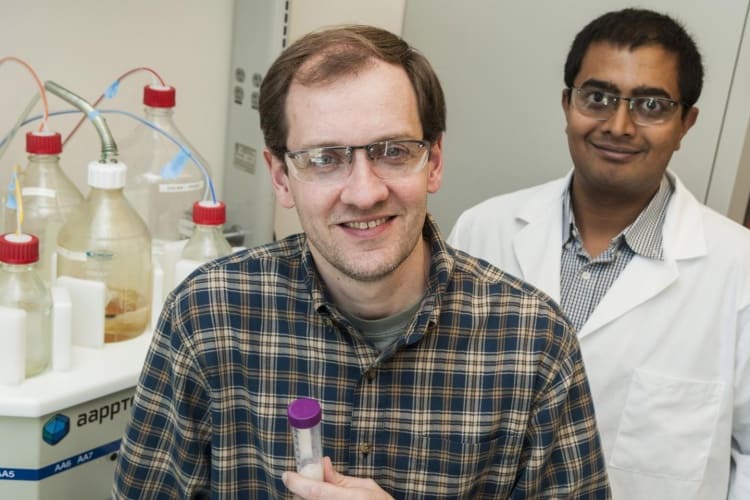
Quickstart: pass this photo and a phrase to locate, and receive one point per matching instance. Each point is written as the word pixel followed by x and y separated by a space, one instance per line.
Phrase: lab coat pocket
pixel 667 426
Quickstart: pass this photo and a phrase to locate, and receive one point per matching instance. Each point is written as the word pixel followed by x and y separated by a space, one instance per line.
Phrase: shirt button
pixel 371 375
pixel 585 276
pixel 365 448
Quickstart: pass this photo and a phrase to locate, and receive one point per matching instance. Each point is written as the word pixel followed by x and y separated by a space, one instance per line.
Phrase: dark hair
pixel 633 28
pixel 325 55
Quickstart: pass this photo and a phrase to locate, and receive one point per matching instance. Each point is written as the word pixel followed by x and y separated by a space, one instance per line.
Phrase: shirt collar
pixel 644 234
pixel 441 267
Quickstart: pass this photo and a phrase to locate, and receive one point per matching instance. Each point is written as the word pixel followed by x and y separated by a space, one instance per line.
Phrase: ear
pixel 279 179
pixel 565 100
pixel 687 123
pixel 435 166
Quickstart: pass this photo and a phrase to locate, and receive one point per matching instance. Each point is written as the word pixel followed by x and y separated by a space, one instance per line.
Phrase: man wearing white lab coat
pixel 657 284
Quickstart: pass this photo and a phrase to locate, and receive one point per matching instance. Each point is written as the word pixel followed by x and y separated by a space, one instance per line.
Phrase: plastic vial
pixel 106 240
pixel 162 182
pixel 21 287
pixel 49 197
pixel 304 418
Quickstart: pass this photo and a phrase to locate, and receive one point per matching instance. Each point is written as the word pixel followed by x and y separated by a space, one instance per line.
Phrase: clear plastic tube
pixel 39 84
pixel 304 417
pixel 110 92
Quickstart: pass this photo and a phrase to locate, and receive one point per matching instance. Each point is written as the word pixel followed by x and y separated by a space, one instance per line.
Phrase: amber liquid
pixel 126 316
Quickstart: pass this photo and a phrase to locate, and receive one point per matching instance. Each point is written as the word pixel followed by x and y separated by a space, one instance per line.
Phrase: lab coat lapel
pixel 538 245
pixel 643 278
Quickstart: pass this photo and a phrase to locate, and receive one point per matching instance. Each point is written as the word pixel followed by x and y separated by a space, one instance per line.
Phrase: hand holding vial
pixel 315 477
pixel 335 486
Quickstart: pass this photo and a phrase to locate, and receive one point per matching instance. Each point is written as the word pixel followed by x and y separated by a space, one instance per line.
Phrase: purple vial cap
pixel 303 413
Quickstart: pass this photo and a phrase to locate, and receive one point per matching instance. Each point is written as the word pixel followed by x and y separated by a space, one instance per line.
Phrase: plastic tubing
pixel 183 148
pixel 114 84
pixel 109 148
pixel 9 138
pixel 209 183
pixel 19 199
pixel 43 125
pixel 29 106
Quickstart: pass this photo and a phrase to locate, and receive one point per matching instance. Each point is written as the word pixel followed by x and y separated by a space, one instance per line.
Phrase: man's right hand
pixel 335 486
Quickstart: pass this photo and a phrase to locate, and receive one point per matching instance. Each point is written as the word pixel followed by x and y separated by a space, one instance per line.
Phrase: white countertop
pixel 94 372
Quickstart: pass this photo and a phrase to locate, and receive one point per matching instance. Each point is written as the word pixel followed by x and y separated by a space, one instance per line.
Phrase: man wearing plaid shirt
pixel 438 375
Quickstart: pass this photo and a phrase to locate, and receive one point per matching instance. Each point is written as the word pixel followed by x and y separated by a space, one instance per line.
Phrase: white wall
pixel 504 79
pixel 84 45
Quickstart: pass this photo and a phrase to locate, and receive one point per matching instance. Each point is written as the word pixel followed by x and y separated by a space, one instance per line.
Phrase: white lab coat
pixel 667 350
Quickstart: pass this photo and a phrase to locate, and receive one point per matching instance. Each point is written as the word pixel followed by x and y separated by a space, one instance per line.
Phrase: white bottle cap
pixel 107 175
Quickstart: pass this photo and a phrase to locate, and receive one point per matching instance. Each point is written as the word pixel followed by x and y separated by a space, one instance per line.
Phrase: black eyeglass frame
pixel 673 105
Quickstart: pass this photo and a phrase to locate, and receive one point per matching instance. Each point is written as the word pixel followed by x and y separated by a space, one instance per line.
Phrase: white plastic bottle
pixel 49 197
pixel 21 287
pixel 106 240
pixel 162 182
pixel 304 415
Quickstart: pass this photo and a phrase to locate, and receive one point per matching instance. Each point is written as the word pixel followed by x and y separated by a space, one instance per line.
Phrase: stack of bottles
pixel 162 182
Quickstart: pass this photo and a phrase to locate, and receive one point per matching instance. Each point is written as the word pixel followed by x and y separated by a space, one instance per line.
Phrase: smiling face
pixel 363 228
pixel 617 158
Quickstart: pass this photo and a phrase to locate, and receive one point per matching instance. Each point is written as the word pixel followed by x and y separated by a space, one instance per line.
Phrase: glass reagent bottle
pixel 21 287
pixel 105 240
pixel 304 416
pixel 208 241
pixel 49 197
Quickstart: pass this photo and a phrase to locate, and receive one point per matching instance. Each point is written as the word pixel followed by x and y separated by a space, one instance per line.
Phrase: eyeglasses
pixel 600 105
pixel 331 164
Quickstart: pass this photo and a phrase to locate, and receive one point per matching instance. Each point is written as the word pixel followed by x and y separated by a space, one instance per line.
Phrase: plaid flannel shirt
pixel 483 396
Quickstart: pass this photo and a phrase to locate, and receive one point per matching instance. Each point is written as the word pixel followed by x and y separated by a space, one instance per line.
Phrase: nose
pixel 363 189
pixel 621 123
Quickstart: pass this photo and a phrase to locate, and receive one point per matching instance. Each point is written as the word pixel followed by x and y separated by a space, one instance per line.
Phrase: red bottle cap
pixel 19 248
pixel 159 97
pixel 43 143
pixel 209 213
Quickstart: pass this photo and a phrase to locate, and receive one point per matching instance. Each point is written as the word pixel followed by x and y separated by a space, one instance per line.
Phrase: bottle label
pixel 99 255
pixel 38 191
pixel 181 188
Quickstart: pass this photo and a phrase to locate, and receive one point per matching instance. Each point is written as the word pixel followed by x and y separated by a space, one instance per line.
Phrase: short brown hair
pixel 339 51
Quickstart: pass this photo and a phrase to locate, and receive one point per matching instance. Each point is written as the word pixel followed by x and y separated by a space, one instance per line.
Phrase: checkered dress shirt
pixel 483 396
pixel 583 280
